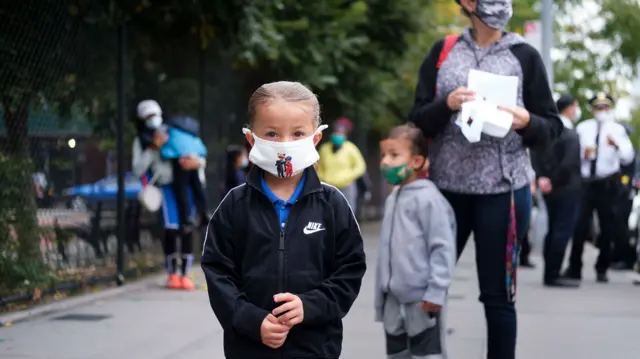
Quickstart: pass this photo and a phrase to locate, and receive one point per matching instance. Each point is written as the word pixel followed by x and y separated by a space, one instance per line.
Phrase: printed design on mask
pixel 280 164
pixel 284 166
pixel 288 167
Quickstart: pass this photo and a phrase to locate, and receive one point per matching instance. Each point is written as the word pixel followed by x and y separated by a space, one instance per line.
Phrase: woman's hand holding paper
pixel 458 97
pixel 521 116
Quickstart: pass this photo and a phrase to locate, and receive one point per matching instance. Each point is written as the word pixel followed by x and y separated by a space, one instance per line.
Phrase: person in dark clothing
pixel 558 176
pixel 604 147
pixel 525 248
pixel 487 183
pixel 237 162
pixel 624 253
pixel 283 257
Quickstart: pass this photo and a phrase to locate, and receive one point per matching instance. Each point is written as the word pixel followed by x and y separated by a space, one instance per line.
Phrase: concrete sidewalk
pixel 594 322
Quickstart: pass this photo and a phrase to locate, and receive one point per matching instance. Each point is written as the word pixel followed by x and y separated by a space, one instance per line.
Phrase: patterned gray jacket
pixel 492 165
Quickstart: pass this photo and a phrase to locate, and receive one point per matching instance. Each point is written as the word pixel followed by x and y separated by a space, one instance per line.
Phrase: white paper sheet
pixel 497 89
pixel 491 91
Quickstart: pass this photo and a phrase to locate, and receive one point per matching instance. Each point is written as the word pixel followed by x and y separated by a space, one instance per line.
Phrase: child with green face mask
pixel 417 251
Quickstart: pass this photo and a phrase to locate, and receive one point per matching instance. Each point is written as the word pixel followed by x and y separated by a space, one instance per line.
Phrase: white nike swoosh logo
pixel 311 231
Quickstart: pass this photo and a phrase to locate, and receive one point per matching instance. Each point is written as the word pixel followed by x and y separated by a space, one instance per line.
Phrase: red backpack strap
pixel 449 42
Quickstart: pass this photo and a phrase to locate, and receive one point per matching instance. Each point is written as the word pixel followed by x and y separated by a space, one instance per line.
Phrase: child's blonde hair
pixel 286 91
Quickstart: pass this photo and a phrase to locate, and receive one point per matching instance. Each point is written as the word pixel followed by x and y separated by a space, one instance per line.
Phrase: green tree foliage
pixel 34 75
pixel 599 52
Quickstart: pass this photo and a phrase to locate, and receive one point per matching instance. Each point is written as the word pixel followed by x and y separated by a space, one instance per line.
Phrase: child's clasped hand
pixel 291 312
pixel 276 325
pixel 272 333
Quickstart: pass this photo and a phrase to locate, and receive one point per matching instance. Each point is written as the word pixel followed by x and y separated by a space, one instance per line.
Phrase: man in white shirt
pixel 604 146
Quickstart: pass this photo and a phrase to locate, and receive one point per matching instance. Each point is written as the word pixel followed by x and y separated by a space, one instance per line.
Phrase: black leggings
pixel 182 180
pixel 171 251
pixel 487 217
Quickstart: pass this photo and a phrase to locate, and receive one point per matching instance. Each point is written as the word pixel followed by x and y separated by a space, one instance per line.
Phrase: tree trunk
pixel 21 199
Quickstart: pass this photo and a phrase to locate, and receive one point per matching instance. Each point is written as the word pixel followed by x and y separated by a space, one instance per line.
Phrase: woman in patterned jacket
pixel 487 182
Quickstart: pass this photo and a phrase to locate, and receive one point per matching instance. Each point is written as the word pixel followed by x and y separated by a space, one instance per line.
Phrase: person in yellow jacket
pixel 341 163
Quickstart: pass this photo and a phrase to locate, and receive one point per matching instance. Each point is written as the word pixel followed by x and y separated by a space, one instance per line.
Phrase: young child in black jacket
pixel 283 256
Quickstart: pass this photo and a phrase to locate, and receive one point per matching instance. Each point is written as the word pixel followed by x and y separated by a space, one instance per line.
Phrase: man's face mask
pixel 494 13
pixel 605 116
pixel 578 115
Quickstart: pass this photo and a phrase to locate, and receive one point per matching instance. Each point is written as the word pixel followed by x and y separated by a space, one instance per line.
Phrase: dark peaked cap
pixel 602 99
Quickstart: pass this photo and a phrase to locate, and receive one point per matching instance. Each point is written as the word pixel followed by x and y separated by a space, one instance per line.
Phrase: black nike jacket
pixel 247 259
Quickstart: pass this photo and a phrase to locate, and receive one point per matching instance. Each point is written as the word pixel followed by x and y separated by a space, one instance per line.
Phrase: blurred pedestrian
pixel 525 247
pixel 148 163
pixel 236 167
pixel 558 175
pixel 624 251
pixel 417 252
pixel 341 162
pixel 365 187
pixel 487 183
pixel 604 147
pixel 283 256
pixel 182 147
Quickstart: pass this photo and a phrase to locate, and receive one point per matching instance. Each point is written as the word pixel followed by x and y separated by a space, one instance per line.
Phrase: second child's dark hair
pixel 233 152
pixel 419 145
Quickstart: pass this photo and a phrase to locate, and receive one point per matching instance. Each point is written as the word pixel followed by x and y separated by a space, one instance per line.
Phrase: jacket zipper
pixel 281 242
pixel 281 273
pixel 281 257
pixel 393 221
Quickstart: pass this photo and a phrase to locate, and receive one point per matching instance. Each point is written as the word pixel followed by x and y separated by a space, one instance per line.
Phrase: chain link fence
pixel 61 79
pixel 72 73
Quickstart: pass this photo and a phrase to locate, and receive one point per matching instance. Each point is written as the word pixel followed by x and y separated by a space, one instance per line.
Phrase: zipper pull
pixel 281 246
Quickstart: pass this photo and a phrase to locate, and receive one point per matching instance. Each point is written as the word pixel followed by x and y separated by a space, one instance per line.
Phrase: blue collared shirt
pixel 283 207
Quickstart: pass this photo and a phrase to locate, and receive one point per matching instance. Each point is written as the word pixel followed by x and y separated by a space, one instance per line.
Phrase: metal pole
pixel 547 37
pixel 202 115
pixel 120 209
pixel 202 82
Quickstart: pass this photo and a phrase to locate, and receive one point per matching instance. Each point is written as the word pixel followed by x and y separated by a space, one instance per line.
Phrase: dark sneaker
pixel 602 278
pixel 562 283
pixel 572 274
pixel 527 264
pixel 621 266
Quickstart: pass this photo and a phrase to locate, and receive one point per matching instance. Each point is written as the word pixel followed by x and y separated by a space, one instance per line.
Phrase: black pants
pixel 563 210
pixel 487 216
pixel 601 196
pixel 182 181
pixel 172 254
pixel 525 248
pixel 622 249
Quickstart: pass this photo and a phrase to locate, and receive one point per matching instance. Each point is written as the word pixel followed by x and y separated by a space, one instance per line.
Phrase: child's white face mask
pixel 284 159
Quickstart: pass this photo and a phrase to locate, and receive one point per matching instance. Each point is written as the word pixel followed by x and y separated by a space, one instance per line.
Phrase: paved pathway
pixel 594 322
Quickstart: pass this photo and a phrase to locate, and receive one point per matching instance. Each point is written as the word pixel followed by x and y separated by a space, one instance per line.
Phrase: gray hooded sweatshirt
pixel 492 165
pixel 417 253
